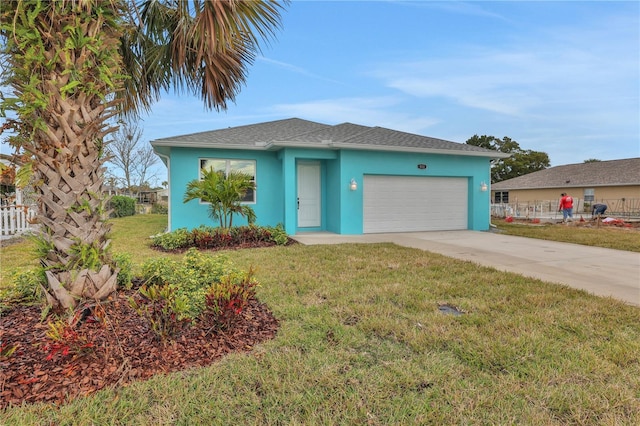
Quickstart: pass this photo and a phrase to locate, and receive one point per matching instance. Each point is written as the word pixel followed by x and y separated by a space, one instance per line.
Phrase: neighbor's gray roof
pixel 302 133
pixel 598 173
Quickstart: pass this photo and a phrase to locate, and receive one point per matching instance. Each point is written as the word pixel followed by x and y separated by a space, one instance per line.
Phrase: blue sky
pixel 557 77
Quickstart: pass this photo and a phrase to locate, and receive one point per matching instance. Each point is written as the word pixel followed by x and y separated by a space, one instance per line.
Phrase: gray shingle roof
pixel 598 173
pixel 336 133
pixel 301 133
pixel 379 136
pixel 249 135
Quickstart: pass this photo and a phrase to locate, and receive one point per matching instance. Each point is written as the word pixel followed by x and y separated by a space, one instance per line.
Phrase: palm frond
pixel 200 47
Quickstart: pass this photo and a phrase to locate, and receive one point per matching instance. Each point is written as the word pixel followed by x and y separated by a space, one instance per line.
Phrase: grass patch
pixel 608 236
pixel 17 254
pixel 362 342
pixel 128 235
pixel 132 234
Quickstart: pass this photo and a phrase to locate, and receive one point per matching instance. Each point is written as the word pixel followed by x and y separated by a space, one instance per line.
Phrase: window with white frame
pixel 227 165
pixel 501 197
pixel 589 195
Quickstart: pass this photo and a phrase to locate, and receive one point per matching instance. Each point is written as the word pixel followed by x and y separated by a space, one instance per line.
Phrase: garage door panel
pixel 414 203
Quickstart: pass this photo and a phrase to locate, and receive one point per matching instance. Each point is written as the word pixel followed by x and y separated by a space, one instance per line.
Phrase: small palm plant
pixel 224 193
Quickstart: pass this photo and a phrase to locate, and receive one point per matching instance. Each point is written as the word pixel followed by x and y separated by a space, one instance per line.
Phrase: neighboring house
pixel 147 197
pixel 7 180
pixel 163 195
pixel 9 192
pixel 17 210
pixel 611 182
pixel 345 179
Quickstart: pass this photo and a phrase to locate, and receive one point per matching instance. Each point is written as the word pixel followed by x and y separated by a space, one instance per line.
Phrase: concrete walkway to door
pixel 600 271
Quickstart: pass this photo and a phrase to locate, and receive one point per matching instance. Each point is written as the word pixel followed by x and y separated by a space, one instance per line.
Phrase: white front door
pixel 309 195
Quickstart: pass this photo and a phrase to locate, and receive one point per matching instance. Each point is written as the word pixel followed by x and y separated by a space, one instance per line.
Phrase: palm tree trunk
pixel 73 217
pixel 69 77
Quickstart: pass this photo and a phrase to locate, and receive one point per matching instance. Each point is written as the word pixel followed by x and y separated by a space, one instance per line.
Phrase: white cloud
pixel 456 7
pixel 295 69
pixel 512 83
pixel 373 111
pixel 571 91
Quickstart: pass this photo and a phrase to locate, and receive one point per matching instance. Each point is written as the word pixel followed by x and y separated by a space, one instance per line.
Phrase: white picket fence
pixel 16 219
pixel 626 208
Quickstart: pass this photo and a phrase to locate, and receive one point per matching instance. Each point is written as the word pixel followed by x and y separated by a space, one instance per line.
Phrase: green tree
pixel 521 162
pixel 74 64
pixel 592 160
pixel 224 195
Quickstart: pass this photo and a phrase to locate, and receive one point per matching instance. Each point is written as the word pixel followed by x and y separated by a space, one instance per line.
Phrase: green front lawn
pixel 362 341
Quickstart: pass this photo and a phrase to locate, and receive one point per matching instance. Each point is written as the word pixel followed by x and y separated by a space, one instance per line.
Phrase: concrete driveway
pixel 600 271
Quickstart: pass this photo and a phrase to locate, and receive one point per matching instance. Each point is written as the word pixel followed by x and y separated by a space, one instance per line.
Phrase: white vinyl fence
pixel 16 219
pixel 622 208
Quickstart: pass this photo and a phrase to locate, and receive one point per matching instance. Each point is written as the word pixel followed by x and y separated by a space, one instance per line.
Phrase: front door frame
pixel 309 194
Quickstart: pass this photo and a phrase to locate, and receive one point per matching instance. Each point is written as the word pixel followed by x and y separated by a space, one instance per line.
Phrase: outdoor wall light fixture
pixel 353 185
pixel 483 187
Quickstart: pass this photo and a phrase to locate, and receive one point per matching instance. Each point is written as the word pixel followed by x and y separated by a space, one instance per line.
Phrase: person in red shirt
pixel 566 206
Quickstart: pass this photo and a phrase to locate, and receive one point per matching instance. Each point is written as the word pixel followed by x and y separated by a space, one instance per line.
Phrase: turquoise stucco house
pixel 344 179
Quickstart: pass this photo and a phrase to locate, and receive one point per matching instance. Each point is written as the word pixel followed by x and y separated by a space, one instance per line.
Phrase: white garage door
pixel 414 203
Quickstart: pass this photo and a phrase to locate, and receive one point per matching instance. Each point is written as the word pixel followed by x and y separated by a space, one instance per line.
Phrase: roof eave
pixel 182 144
pixel 325 145
pixel 492 155
pixel 564 186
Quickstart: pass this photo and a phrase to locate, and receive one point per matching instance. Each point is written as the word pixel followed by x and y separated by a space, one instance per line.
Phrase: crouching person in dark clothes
pixel 598 209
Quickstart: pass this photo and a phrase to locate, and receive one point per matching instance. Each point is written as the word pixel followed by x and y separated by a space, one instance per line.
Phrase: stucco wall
pixel 621 200
pixel 358 163
pixel 184 167
pixel 601 193
pixel 342 209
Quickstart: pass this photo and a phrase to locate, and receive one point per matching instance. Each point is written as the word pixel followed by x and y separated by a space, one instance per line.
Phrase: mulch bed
pixel 124 350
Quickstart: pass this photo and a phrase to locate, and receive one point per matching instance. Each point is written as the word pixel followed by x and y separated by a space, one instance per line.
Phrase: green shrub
pixel 189 278
pixel 199 286
pixel 43 244
pixel 278 235
pixel 158 270
pixel 161 309
pixel 249 234
pixel 175 240
pixel 207 237
pixel 225 301
pixel 123 261
pixel 159 208
pixel 26 288
pixel 122 206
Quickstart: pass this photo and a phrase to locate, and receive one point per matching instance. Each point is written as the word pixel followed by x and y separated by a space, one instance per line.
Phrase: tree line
pixel 521 161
